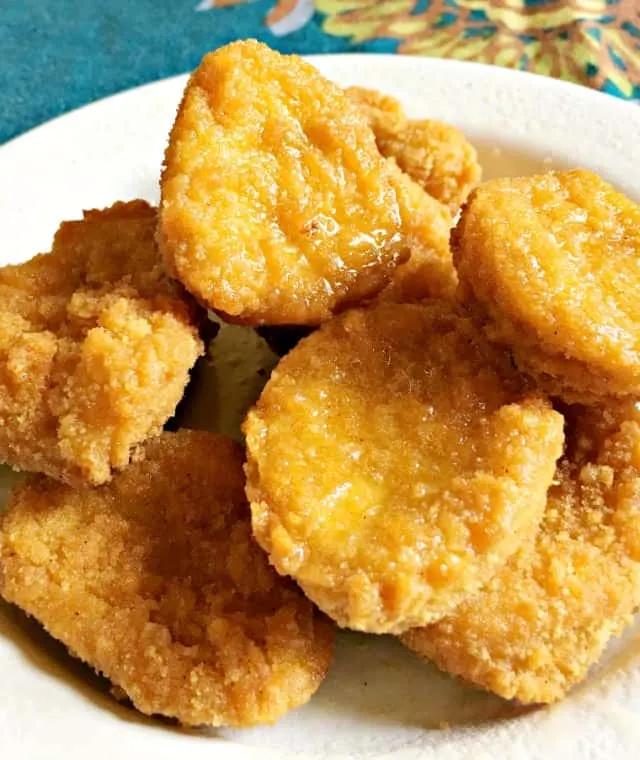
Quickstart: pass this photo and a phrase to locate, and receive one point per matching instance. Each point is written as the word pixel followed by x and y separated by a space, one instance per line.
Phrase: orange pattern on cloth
pixel 592 42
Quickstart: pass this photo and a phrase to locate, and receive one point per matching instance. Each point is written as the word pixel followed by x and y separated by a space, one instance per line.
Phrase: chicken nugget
pixel 384 113
pixel 96 344
pixel 436 155
pixel 395 462
pixel 277 207
pixel 155 581
pixel 546 617
pixel 429 272
pixel 435 169
pixel 553 264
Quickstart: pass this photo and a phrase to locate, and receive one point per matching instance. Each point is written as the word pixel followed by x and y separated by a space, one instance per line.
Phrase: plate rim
pixel 571 89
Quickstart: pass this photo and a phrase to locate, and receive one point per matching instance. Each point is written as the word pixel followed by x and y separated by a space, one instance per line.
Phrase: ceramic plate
pixel 379 700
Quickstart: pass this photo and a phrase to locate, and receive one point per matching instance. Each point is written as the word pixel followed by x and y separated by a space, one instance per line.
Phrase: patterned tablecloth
pixel 59 54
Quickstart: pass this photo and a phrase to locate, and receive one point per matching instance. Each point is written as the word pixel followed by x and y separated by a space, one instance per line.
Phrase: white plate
pixel 378 700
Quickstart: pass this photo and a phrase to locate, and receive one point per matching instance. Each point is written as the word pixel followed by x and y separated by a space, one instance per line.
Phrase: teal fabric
pixel 56 55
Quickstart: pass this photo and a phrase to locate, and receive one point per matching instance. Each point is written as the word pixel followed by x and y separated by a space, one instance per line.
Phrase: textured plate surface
pixel 379 701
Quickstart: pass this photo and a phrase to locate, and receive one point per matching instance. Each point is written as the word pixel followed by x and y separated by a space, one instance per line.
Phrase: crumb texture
pixel 96 344
pixel 394 462
pixel 155 581
pixel 547 616
pixel 434 154
pixel 553 263
pixel 277 207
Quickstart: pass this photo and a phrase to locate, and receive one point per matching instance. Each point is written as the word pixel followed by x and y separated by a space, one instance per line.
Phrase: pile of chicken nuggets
pixel 450 454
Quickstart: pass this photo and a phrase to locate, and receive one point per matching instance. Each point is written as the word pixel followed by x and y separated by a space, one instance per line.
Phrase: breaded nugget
pixel 277 207
pixel 96 344
pixel 436 155
pixel 435 169
pixel 384 113
pixel 394 463
pixel 429 272
pixel 553 263
pixel 547 616
pixel 156 582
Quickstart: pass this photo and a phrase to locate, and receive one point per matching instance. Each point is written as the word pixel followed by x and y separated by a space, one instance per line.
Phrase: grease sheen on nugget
pixel 277 207
pixel 96 344
pixel 156 582
pixel 395 462
pixel 552 262
pixel 546 617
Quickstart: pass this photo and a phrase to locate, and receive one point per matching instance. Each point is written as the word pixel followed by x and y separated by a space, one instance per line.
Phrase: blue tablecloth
pixel 58 54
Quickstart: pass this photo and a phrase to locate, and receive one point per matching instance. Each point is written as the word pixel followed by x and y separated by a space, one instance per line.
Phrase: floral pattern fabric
pixel 593 42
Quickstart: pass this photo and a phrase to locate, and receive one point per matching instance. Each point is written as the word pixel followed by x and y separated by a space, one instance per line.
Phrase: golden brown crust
pixel 277 207
pixel 435 155
pixel 551 262
pixel 547 616
pixel 96 344
pixel 394 463
pixel 438 157
pixel 435 169
pixel 384 113
pixel 429 272
pixel 155 581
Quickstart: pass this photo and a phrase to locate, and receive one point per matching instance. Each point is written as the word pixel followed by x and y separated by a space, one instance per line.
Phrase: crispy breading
pixel 395 462
pixel 429 272
pixel 551 262
pixel 156 582
pixel 277 207
pixel 435 168
pixel 544 619
pixel 383 112
pixel 96 344
pixel 434 154
pixel 438 157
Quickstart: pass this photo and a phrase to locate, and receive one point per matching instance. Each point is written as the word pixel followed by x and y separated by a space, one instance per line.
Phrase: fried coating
pixel 543 620
pixel 394 463
pixel 96 344
pixel 429 272
pixel 436 155
pixel 384 113
pixel 552 263
pixel 156 582
pixel 277 207
pixel 435 169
